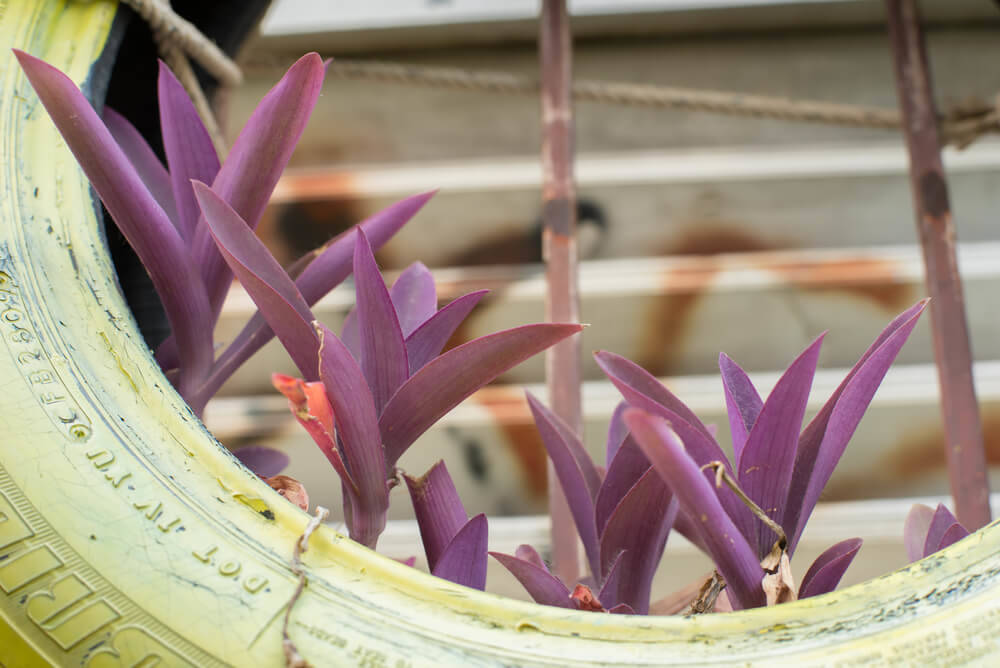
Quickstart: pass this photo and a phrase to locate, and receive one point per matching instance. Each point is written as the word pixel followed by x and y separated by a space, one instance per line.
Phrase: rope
pixel 174 38
pixel 960 127
pixel 162 19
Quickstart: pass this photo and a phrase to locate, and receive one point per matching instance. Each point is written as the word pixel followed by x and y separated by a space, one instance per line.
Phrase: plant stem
pixel 962 426
pixel 559 250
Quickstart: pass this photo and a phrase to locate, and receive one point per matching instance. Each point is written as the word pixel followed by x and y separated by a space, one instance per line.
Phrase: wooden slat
pixel 495 455
pixel 674 316
pixel 652 202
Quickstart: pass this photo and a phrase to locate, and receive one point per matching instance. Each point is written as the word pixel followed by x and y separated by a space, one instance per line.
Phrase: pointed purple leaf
pixel 823 441
pixel 543 587
pixel 357 427
pixel 528 553
pixel 624 472
pixel 255 162
pixel 733 556
pixel 445 381
pixel 324 269
pixel 743 403
pixel 918 521
pixel 141 220
pixel 768 458
pixel 429 339
pixel 575 477
pixel 941 521
pixel 414 297
pixel 383 350
pixel 333 261
pixel 263 279
pixel 188 147
pixel 955 533
pixel 147 165
pixel 640 388
pixel 608 595
pixel 438 510
pixel 826 572
pixel 464 559
pixel 265 462
pixel 617 431
pixel 350 333
pixel 576 449
pixel 638 530
pixel 704 450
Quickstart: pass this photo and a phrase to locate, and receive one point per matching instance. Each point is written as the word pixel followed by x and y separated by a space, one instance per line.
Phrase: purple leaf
pixel 743 404
pixel 265 462
pixel 383 351
pixel 622 609
pixel 955 533
pixel 528 553
pixel 350 333
pixel 259 155
pixel 608 595
pixel 438 509
pixel 357 427
pixel 825 438
pixel 414 297
pixel 141 220
pixel 733 556
pixel 264 280
pixel 640 388
pixel 825 573
pixel 617 431
pixel 464 560
pixel 543 587
pixel 149 168
pixel 768 458
pixel 941 522
pixel 624 472
pixel 573 474
pixel 591 477
pixel 428 340
pixel 324 269
pixel 190 153
pixel 918 521
pixel 704 450
pixel 334 260
pixel 638 530
pixel 445 381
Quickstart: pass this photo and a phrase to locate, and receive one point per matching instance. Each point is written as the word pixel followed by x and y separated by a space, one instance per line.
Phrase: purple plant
pixel 156 210
pixel 623 519
pixel 781 471
pixel 455 545
pixel 394 385
pixel 928 530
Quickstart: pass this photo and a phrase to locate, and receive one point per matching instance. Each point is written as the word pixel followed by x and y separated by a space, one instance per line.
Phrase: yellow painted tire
pixel 129 537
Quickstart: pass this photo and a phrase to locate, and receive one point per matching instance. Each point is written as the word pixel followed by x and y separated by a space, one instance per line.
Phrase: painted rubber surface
pixel 128 536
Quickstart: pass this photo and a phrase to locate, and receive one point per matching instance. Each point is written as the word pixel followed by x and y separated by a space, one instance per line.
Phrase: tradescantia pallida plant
pixel 366 396
pixel 155 208
pixel 666 470
pixel 365 407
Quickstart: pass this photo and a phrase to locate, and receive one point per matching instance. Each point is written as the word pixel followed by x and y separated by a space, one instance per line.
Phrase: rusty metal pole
pixel 562 303
pixel 962 427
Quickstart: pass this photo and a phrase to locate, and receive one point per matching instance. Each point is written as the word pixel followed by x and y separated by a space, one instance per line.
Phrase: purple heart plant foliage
pixel 928 530
pixel 374 392
pixel 666 470
pixel 155 207
pixel 366 396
